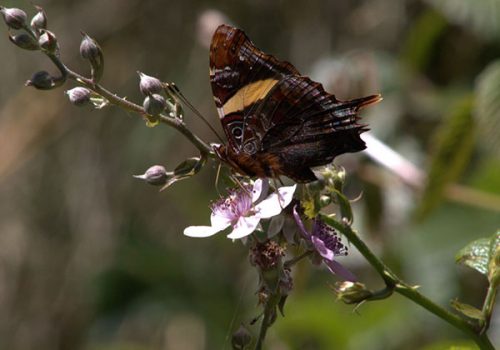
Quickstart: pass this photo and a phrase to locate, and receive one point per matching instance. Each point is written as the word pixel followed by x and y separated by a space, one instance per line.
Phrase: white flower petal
pixel 219 221
pixel 260 189
pixel 272 205
pixel 245 226
pixel 286 194
pixel 201 231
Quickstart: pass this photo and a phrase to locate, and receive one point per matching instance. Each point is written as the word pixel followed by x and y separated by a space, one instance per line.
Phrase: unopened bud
pixel 351 292
pixel 241 338
pixel 155 175
pixel 154 104
pixel 24 41
pixel 48 41
pixel 89 48
pixel 14 18
pixel 91 51
pixel 79 96
pixel 39 21
pixel 149 85
pixel 41 80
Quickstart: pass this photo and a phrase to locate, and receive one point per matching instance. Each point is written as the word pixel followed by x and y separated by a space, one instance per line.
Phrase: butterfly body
pixel 277 121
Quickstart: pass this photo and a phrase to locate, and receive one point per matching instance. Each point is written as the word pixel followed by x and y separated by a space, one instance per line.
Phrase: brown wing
pixel 241 76
pixel 277 122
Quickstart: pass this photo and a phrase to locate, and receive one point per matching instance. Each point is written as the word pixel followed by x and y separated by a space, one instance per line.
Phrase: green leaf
pixel 454 142
pixel 467 310
pixel 483 17
pixel 487 108
pixel 483 255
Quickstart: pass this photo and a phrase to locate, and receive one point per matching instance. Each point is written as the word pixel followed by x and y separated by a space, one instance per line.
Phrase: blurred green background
pixel 92 259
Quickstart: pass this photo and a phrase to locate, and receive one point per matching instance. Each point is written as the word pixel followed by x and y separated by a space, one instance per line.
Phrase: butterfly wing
pixel 277 122
pixel 241 76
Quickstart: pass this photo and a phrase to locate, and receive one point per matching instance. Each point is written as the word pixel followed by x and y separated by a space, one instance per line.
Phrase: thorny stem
pixel 176 123
pixel 408 291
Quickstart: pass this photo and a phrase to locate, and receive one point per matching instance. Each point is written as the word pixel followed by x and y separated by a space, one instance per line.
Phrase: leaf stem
pixel 408 291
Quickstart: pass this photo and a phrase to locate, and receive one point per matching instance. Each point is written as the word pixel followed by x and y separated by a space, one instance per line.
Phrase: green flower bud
pixel 351 292
pixel 14 18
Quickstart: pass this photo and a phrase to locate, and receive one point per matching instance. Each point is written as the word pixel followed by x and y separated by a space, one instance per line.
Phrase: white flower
pixel 243 210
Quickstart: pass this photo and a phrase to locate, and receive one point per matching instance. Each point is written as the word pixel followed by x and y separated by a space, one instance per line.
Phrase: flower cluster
pixel 243 209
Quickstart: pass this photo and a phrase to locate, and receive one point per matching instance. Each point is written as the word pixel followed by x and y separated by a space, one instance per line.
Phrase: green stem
pixel 269 314
pixel 489 303
pixel 408 291
pixel 296 259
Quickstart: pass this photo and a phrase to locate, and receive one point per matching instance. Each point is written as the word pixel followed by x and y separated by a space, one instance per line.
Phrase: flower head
pixel 243 209
pixel 325 242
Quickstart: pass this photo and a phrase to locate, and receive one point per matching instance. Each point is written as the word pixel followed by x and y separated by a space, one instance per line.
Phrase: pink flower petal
pixel 200 231
pixel 260 189
pixel 272 205
pixel 322 249
pixel 245 226
pixel 338 269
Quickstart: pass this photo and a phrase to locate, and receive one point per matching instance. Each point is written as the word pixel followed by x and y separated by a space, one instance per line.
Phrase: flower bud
pixel 91 51
pixel 351 292
pixel 47 41
pixel 39 21
pixel 155 175
pixel 89 48
pixel 14 18
pixel 79 96
pixel 241 338
pixel 149 85
pixel 154 104
pixel 41 80
pixel 24 41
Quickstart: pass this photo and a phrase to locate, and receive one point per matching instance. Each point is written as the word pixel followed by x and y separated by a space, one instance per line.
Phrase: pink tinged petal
pixel 300 223
pixel 200 231
pixel 244 226
pixel 337 269
pixel 272 205
pixel 321 248
pixel 220 222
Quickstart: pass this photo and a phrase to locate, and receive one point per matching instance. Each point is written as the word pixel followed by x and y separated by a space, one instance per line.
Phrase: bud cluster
pixel 151 87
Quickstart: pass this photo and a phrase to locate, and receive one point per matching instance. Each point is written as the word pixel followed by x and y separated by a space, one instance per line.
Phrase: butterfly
pixel 277 121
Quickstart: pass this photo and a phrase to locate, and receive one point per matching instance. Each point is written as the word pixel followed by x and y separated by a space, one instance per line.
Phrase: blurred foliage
pixel 91 258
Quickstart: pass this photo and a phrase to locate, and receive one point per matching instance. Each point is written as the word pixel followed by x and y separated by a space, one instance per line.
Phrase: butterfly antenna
pixel 174 90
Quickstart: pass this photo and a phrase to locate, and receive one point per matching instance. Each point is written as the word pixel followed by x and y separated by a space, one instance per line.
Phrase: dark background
pixel 92 259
